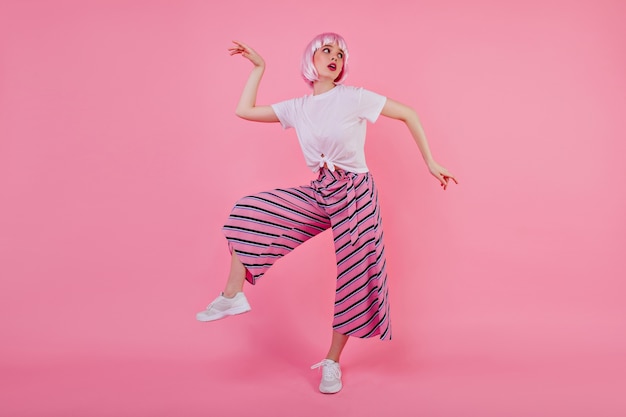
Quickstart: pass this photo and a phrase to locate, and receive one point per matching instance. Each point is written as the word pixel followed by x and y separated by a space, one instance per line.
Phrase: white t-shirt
pixel 331 126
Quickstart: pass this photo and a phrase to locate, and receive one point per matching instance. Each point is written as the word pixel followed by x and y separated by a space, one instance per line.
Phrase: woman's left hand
pixel 441 174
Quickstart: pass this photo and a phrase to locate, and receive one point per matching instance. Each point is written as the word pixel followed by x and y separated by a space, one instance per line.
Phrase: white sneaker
pixel 331 376
pixel 223 307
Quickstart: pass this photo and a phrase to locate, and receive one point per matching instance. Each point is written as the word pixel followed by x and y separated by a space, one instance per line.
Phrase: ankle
pixel 230 294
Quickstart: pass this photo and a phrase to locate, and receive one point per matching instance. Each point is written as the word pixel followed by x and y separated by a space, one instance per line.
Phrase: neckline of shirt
pixel 326 93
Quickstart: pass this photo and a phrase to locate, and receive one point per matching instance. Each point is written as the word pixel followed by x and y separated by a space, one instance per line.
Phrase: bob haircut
pixel 309 73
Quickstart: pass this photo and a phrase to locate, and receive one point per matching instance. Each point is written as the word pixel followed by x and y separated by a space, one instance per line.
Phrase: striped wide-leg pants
pixel 264 227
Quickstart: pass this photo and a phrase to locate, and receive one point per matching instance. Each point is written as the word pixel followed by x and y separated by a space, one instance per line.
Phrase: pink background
pixel 121 156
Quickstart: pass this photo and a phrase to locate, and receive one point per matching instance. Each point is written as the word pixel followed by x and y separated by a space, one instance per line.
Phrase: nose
pixel 334 58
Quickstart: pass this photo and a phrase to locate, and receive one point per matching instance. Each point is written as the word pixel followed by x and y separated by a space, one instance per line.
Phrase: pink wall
pixel 120 158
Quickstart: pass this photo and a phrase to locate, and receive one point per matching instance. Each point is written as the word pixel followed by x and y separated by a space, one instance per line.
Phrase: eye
pixel 340 55
pixel 326 50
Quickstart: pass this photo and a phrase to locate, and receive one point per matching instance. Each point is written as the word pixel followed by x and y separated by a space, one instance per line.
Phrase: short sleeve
pixel 370 105
pixel 285 111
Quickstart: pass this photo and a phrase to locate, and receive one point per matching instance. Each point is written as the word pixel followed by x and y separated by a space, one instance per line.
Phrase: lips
pixel 332 67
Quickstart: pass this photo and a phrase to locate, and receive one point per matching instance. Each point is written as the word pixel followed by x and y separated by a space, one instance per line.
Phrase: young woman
pixel 330 124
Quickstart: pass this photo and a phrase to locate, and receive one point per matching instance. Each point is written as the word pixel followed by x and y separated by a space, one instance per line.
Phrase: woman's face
pixel 328 61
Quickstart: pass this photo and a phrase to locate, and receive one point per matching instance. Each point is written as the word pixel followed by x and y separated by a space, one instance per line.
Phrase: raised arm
pixel 399 111
pixel 247 108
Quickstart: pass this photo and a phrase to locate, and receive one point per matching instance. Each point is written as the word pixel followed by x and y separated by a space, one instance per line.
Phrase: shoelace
pixel 215 301
pixel 329 368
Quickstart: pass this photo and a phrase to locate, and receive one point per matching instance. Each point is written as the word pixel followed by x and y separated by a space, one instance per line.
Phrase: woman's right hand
pixel 247 52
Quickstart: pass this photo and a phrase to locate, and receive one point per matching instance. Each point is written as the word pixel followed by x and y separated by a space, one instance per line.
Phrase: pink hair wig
pixel 309 73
